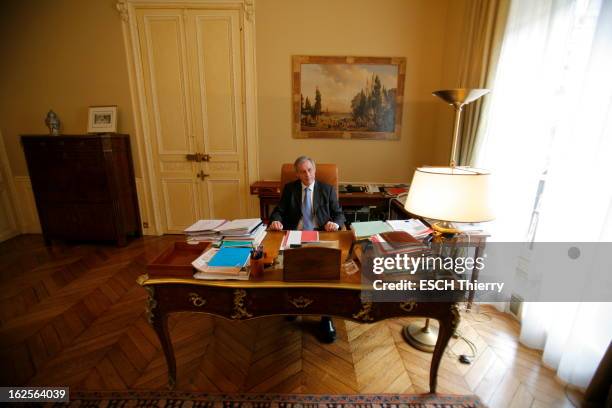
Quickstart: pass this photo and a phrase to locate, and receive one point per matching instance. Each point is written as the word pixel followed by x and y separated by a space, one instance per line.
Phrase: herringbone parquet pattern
pixel 73 315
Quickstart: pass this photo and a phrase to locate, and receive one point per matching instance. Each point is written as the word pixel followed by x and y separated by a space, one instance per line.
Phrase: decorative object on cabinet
pixel 84 186
pixel 102 119
pixel 52 122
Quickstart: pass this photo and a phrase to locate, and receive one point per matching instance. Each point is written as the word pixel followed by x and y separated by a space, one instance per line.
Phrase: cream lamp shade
pixel 453 194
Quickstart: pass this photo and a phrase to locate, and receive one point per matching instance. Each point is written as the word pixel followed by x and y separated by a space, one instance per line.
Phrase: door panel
pixel 181 204
pixel 213 43
pixel 165 69
pixel 162 38
pixel 215 62
pixel 223 197
pixel 192 66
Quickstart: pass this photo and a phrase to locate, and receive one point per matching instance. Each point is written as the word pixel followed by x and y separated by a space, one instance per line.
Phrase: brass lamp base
pixel 421 337
pixel 444 227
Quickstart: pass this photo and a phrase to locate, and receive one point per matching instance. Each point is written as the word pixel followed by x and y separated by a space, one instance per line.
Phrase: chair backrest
pixel 326 173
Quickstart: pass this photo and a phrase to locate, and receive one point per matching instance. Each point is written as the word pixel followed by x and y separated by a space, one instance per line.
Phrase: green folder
pixel 369 228
pixel 235 244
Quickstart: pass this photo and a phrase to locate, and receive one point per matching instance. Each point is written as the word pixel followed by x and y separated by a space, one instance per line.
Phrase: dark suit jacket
pixel 325 203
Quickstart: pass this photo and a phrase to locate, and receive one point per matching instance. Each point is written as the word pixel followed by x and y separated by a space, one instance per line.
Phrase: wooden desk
pixel 269 296
pixel 269 195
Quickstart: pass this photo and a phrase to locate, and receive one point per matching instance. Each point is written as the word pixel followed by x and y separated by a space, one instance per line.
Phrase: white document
pixel 291 238
pixel 245 224
pixel 411 226
pixel 201 263
pixel 204 225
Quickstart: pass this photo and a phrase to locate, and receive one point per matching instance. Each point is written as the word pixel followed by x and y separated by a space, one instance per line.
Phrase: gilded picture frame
pixel 340 97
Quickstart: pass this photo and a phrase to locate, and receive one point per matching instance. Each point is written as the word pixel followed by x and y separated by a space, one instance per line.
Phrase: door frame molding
pixel 127 11
pixel 9 200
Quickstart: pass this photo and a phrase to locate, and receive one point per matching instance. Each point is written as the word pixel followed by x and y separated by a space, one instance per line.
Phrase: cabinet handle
pixel 202 175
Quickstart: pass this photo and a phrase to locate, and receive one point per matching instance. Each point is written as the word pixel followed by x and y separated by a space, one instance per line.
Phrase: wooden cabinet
pixel 84 186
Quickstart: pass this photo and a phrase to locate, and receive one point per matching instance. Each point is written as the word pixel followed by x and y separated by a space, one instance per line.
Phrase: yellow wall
pixel 63 55
pixel 415 29
pixel 69 54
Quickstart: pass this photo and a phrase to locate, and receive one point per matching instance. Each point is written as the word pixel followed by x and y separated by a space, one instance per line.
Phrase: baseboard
pixel 145 213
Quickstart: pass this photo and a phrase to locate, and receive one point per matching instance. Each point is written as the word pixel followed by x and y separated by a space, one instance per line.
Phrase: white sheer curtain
pixel 549 142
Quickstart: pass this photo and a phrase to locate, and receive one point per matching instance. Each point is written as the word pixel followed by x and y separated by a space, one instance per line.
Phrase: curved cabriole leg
pixel 159 322
pixel 160 325
pixel 448 324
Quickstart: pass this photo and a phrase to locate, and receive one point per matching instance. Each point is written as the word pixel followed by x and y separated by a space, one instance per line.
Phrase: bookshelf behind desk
pixel 269 195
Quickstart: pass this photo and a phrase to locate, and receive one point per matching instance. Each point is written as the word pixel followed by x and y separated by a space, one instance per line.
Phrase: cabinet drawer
pixel 95 221
pixel 58 220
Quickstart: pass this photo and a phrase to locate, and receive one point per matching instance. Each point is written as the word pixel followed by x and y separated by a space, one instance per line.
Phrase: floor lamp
pixel 448 194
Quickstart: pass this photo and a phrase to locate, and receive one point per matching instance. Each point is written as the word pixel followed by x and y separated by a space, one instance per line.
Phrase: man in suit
pixel 307 204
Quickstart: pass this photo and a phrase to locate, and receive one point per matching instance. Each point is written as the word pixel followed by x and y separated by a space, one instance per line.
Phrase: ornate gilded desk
pixel 269 296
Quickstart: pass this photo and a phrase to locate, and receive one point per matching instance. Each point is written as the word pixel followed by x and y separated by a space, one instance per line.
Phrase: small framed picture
pixel 102 119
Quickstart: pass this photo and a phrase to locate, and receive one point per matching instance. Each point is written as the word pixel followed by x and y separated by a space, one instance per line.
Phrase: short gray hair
pixel 301 160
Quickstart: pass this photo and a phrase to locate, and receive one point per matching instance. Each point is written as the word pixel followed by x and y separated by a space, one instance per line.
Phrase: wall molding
pixel 7 196
pixel 26 211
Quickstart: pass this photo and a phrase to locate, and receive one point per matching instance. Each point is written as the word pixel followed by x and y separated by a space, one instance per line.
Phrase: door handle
pixel 197 157
pixel 202 175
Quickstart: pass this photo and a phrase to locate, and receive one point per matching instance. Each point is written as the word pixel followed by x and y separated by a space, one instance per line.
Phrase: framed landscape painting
pixel 348 97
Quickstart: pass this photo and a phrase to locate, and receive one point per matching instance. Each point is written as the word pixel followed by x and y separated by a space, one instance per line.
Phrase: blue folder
pixel 231 257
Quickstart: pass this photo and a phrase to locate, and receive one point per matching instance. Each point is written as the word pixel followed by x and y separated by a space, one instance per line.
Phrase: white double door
pixel 193 82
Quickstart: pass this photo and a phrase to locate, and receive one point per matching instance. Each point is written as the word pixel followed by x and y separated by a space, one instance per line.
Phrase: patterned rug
pixel 179 399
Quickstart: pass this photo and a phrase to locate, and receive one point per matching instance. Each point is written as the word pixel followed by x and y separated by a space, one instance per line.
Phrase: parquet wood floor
pixel 73 315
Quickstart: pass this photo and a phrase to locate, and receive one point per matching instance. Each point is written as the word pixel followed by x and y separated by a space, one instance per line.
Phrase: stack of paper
pixel 474 228
pixel 204 231
pixel 297 238
pixel 367 229
pixel 254 237
pixel 252 230
pixel 414 227
pixel 398 242
pixel 223 263
pixel 239 227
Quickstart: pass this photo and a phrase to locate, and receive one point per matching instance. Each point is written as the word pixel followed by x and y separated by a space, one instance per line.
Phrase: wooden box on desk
pixel 311 264
pixel 176 260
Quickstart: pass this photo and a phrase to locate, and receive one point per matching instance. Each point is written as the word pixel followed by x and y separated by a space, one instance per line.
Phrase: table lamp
pixel 448 194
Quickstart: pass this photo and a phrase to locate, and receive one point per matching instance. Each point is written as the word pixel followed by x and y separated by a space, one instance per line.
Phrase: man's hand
pixel 331 226
pixel 276 226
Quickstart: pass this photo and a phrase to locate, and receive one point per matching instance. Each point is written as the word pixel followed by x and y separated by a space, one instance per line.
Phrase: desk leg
pixel 160 325
pixel 474 275
pixel 448 324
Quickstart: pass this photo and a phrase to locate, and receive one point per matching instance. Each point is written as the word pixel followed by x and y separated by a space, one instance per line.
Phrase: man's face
pixel 306 172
